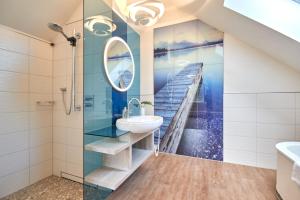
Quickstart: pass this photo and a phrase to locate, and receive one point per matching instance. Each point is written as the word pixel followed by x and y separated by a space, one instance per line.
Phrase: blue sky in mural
pixel 181 57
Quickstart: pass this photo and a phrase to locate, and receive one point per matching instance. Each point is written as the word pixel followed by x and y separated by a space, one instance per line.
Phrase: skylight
pixel 283 16
pixel 297 1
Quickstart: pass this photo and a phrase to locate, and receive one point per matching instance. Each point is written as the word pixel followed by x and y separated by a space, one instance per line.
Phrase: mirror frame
pixel 109 42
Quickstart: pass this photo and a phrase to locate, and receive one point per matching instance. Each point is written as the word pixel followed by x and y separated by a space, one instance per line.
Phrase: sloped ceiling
pixel 212 12
pixel 32 16
pixel 255 34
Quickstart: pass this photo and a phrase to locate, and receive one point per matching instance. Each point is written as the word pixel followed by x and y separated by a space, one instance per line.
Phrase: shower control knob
pixel 77 108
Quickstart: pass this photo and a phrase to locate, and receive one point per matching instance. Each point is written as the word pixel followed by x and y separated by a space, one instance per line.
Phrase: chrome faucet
pixel 126 111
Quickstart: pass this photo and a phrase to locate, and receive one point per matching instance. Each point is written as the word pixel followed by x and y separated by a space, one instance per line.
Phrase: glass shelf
pixel 112 132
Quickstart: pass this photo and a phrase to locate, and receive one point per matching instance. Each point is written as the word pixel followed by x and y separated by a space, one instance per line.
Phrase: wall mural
pixel 188 84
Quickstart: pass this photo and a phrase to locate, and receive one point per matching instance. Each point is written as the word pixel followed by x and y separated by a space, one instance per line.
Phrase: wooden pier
pixel 174 101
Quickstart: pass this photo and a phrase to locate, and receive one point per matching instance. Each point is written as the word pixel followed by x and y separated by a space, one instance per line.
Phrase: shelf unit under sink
pixel 121 157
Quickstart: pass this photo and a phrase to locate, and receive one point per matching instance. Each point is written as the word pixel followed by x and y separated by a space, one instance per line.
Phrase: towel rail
pixel 45 103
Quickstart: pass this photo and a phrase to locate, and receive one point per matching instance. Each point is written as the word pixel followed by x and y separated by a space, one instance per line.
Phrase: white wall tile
pixel 75 137
pixel 40 84
pixel 266 161
pixel 40 136
pixel 59 151
pixel 276 131
pixel 40 119
pixel 61 51
pixel 267 146
pixel 276 100
pixel 13 142
pixel 40 66
pixel 13 82
pixel 25 137
pixel 297 100
pixel 13 62
pixel 40 154
pixel 298 132
pixel 11 163
pixel 40 49
pixel 75 120
pixel 40 171
pixel 14 102
pixel 240 129
pixel 147 72
pixel 14 182
pixel 276 116
pixel 271 121
pixel 240 114
pixel 60 135
pixel 59 166
pixel 59 118
pixel 240 100
pixel 60 68
pixel 240 157
pixel 75 169
pixel 75 155
pixel 10 40
pixel 240 143
pixel 298 116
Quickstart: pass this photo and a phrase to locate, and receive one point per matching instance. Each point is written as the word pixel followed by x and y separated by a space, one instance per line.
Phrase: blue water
pixel 204 131
pixel 167 66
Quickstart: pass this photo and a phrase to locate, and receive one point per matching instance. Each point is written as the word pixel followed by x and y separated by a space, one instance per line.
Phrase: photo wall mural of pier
pixel 188 88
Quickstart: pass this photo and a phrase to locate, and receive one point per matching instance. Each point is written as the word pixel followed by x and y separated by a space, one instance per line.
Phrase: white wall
pixel 68 130
pixel 147 84
pixel 26 128
pixel 249 70
pixel 261 104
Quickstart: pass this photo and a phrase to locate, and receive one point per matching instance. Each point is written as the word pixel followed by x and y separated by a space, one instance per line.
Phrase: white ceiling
pixel 32 16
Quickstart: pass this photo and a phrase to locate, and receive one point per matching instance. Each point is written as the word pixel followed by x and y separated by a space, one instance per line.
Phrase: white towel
pixel 296 172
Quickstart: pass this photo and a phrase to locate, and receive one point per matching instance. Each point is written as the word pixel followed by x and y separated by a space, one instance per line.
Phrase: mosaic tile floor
pixel 51 188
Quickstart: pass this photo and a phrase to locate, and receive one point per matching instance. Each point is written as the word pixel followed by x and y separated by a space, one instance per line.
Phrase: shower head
pixel 57 28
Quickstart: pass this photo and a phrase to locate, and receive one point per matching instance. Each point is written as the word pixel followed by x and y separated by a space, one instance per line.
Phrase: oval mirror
pixel 119 64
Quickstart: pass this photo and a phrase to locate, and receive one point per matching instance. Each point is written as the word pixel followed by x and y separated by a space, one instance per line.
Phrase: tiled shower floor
pixel 51 188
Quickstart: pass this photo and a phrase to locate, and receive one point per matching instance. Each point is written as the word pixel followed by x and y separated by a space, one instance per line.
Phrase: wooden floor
pixel 173 177
pixel 170 177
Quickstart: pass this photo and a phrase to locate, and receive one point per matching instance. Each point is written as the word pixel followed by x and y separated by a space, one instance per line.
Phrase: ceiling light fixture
pixel 100 25
pixel 146 12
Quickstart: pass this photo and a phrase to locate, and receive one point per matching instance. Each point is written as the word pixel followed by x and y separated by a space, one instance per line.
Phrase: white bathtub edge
pixel 282 148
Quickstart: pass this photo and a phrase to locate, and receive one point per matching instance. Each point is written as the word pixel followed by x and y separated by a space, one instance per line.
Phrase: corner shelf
pixel 121 157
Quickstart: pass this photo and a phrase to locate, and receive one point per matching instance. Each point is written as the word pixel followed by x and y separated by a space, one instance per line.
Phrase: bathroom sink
pixel 140 124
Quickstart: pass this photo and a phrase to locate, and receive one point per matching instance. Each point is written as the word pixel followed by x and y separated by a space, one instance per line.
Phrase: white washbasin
pixel 140 124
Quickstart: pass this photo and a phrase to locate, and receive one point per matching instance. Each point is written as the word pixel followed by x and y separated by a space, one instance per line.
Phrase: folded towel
pixel 296 172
